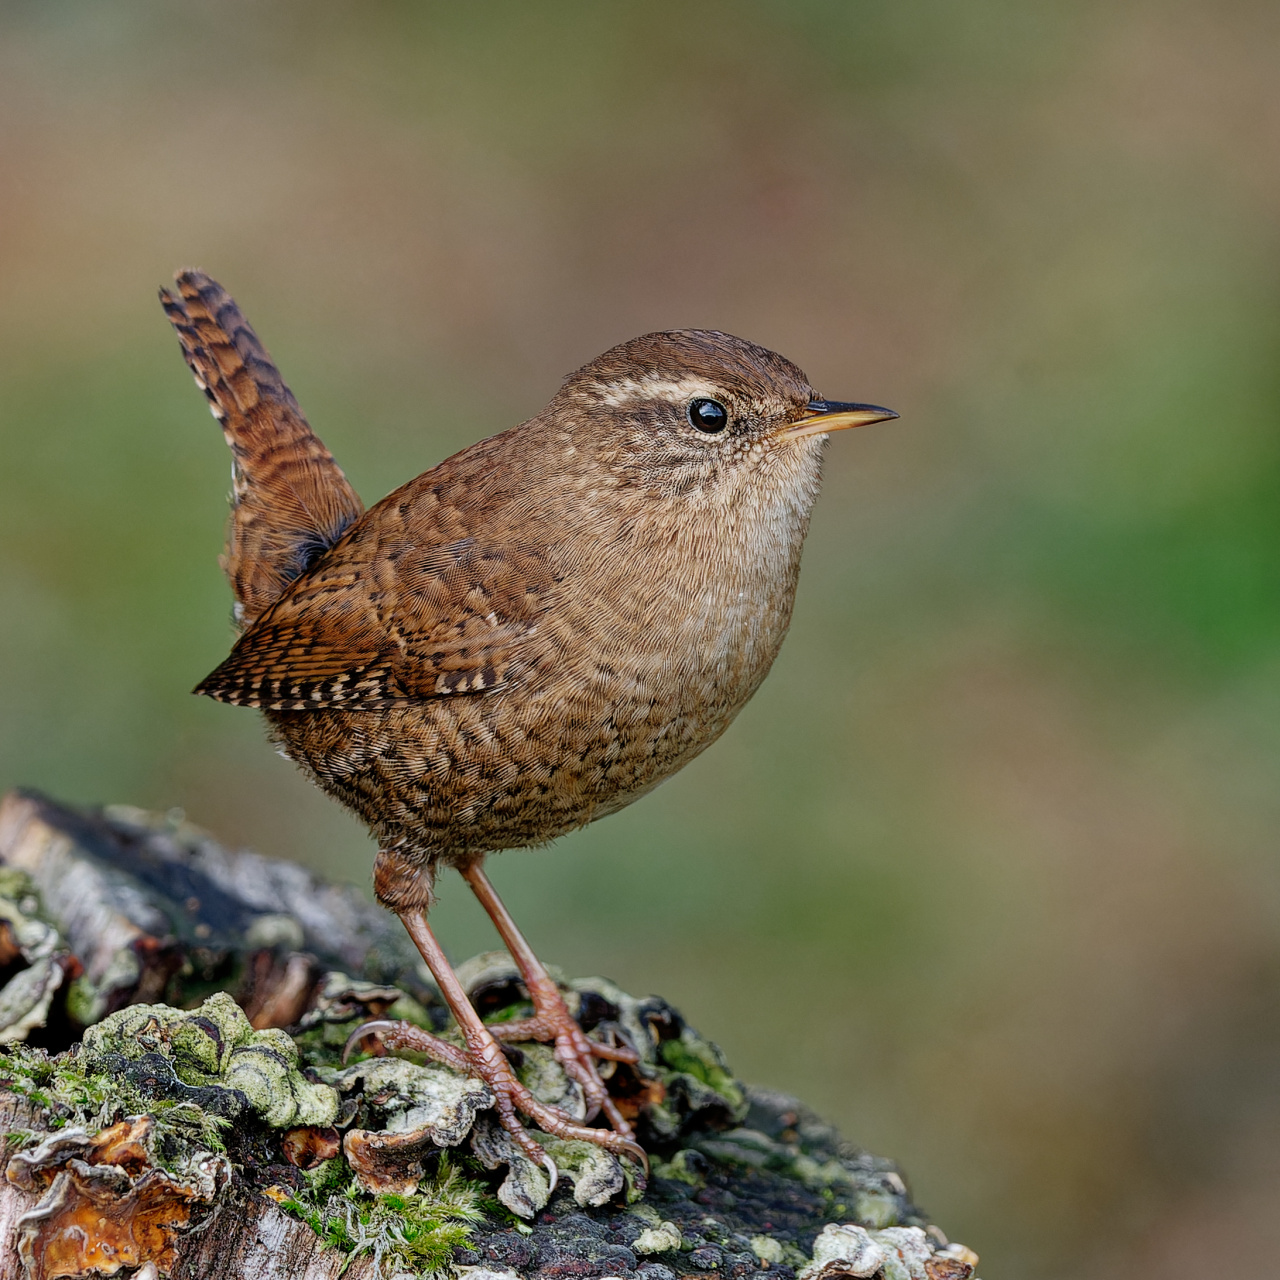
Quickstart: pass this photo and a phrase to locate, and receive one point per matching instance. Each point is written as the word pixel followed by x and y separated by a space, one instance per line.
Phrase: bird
pixel 525 638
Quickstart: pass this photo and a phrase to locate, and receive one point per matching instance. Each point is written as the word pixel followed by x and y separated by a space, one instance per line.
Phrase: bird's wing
pixel 289 501
pixel 382 621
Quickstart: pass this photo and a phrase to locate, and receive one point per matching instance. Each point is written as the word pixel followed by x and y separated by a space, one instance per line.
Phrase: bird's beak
pixel 833 415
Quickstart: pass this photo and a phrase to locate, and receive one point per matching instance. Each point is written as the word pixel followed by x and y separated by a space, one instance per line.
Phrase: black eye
pixel 708 415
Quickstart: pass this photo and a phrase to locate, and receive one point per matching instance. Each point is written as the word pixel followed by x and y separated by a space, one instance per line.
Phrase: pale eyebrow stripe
pixel 626 390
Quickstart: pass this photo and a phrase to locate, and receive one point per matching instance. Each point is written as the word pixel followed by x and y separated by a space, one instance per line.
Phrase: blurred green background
pixel 987 871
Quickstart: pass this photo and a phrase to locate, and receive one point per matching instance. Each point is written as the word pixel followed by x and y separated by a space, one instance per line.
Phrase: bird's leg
pixel 483 1057
pixel 552 1021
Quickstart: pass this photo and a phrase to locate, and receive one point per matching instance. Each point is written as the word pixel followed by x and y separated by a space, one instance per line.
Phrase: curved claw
pixel 364 1029
pixel 553 1174
pixel 636 1152
pixel 556 1123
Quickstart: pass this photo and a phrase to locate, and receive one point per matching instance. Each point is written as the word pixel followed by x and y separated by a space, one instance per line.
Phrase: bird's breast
pixel 673 624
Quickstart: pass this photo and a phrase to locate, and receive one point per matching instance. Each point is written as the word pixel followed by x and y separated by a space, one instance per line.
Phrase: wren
pixel 523 639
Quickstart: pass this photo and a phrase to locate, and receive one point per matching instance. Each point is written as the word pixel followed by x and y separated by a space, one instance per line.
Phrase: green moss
pixel 327 1177
pixel 70 1093
pixel 511 1013
pixel 681 1168
pixel 418 1231
pixel 691 1055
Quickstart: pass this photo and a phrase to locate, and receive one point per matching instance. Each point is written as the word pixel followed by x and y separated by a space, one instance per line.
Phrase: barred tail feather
pixel 290 501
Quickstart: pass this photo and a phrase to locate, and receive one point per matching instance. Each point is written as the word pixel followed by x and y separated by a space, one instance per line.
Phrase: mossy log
pixel 174 1102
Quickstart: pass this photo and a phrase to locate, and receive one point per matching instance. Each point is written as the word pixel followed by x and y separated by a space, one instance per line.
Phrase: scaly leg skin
pixel 552 1020
pixel 483 1057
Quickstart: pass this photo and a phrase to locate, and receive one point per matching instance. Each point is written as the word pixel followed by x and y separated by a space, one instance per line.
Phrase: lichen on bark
pixel 213 1129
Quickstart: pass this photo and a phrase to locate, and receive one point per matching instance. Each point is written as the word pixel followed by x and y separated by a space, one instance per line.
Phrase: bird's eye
pixel 708 415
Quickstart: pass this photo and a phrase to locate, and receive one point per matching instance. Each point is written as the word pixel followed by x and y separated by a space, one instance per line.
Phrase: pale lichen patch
pixel 843 1250
pixel 215 1047
pixel 662 1238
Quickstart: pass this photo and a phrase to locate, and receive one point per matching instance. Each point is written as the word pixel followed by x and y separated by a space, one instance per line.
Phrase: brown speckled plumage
pixel 539 629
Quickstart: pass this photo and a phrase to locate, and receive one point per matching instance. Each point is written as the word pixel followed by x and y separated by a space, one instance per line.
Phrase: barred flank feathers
pixel 290 501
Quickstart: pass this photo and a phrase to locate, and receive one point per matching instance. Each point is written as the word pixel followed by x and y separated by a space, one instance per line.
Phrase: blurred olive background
pixel 987 871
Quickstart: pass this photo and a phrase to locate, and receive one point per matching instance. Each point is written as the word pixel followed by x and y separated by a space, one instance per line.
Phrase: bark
pixel 245 1235
pixel 155 1127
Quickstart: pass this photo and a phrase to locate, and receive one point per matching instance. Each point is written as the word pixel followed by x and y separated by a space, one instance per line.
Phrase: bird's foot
pixel 575 1051
pixel 551 1021
pixel 486 1060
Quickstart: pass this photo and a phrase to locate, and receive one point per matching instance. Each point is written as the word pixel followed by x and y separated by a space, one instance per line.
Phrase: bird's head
pixel 696 410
